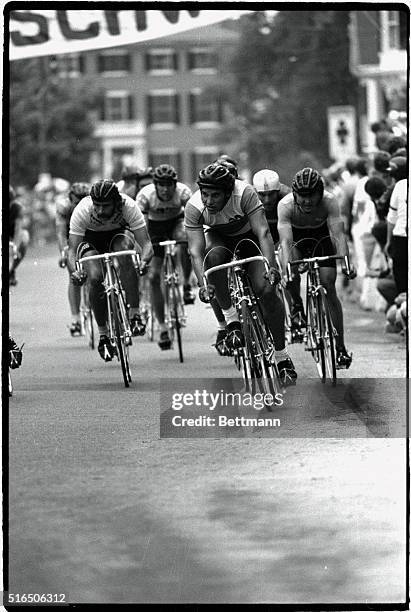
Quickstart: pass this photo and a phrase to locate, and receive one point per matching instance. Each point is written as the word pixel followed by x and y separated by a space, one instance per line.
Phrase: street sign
pixel 342 135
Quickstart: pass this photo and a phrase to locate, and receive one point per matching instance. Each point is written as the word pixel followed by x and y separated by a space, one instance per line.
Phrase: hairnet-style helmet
pixel 134 171
pixel 266 180
pixel 79 190
pixel 105 190
pixel 231 167
pixel 308 181
pixel 217 176
pixel 165 173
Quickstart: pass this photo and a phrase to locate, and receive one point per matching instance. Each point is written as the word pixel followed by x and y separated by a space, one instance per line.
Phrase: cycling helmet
pixel 266 180
pixel 165 173
pixel 308 181
pixel 105 190
pixel 133 171
pixel 217 176
pixel 79 190
pixel 231 167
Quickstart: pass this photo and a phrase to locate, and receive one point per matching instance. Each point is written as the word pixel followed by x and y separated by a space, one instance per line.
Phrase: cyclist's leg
pixel 328 276
pixel 120 242
pixel 22 248
pixel 185 260
pixel 74 298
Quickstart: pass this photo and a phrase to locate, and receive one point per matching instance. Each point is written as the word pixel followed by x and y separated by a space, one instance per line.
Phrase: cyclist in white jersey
pixel 64 209
pixel 163 204
pixel 231 211
pixel 108 221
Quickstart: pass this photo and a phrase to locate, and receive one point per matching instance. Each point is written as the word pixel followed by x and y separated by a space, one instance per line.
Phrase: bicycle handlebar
pixel 110 255
pixel 169 242
pixel 235 262
pixel 308 260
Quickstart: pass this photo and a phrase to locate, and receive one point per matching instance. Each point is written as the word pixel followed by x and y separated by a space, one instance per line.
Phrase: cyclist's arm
pixel 18 231
pixel 196 248
pixel 260 228
pixel 61 231
pixel 143 239
pixel 285 232
pixel 74 243
pixel 336 227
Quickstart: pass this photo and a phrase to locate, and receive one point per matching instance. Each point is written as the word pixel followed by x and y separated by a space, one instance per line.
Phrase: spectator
pixel 397 241
pixel 383 132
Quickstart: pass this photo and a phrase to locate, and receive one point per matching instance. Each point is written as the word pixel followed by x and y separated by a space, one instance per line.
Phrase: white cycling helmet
pixel 266 180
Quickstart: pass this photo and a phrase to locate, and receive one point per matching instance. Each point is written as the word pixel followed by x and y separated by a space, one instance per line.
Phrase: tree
pixel 285 74
pixel 51 125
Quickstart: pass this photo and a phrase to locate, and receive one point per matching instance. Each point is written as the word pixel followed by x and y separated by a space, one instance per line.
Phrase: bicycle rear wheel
pixel 327 337
pixel 120 339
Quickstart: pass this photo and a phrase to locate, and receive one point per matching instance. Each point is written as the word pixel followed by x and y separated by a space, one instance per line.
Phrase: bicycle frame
pixel 174 317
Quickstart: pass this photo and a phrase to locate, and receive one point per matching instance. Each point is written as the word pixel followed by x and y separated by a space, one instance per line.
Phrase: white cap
pixel 266 180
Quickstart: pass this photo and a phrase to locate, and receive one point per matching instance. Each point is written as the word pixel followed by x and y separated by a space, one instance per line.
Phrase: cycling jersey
pixel 127 214
pixel 232 220
pixel 315 218
pixel 64 210
pixel 159 210
pixel 271 212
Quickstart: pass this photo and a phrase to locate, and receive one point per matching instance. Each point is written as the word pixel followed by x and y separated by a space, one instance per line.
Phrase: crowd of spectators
pixel 373 193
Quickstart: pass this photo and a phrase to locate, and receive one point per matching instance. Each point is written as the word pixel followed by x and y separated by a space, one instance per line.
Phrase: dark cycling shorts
pixel 102 241
pixel 164 230
pixel 245 249
pixel 314 241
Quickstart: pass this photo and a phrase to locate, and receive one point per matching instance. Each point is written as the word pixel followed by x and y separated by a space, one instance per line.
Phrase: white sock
pixel 75 318
pixel 230 314
pixel 103 330
pixel 221 325
pixel 281 355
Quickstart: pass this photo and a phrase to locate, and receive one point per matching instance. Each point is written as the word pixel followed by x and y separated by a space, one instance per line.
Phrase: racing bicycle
pixel 119 326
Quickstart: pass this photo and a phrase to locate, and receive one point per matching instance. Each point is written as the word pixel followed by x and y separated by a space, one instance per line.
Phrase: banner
pixel 36 33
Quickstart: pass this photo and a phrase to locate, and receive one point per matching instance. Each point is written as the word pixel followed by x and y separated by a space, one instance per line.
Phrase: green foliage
pixel 51 128
pixel 285 75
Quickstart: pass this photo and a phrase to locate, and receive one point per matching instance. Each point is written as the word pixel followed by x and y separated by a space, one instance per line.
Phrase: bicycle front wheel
pixel 120 338
pixel 176 316
pixel 328 338
pixel 313 339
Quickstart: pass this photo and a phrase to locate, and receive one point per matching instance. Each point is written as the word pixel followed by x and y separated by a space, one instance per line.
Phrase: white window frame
pixel 160 125
pixel 161 71
pixel 387 24
pixel 75 59
pixel 198 50
pixel 119 94
pixel 114 72
pixel 203 124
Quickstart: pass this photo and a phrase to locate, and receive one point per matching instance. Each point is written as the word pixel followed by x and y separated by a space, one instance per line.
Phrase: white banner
pixel 35 33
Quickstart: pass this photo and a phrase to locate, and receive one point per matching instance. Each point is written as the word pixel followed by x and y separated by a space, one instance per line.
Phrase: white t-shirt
pixel 397 214
pixel 126 214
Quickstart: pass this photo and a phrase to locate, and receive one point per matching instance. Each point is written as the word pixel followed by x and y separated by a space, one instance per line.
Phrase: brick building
pixel 157 103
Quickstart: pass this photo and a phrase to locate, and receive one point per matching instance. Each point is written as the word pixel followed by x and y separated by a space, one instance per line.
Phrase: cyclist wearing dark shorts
pixel 108 221
pixel 17 234
pixel 163 205
pixel 309 224
pixel 270 191
pixel 231 211
pixel 64 209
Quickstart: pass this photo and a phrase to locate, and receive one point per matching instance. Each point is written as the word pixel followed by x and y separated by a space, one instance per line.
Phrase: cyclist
pixel 310 216
pixel 270 191
pixel 108 221
pixel 231 211
pixel 15 354
pixel 64 210
pixel 18 235
pixel 163 205
pixel 134 178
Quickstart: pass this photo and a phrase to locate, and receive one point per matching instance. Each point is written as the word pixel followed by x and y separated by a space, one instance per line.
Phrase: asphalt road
pixel 104 510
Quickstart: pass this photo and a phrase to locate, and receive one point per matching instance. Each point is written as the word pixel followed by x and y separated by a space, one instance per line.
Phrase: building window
pixel 202 60
pixel 161 61
pixel 394 30
pixel 118 106
pixel 205 107
pixel 163 108
pixel 158 157
pixel 71 65
pixel 114 62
